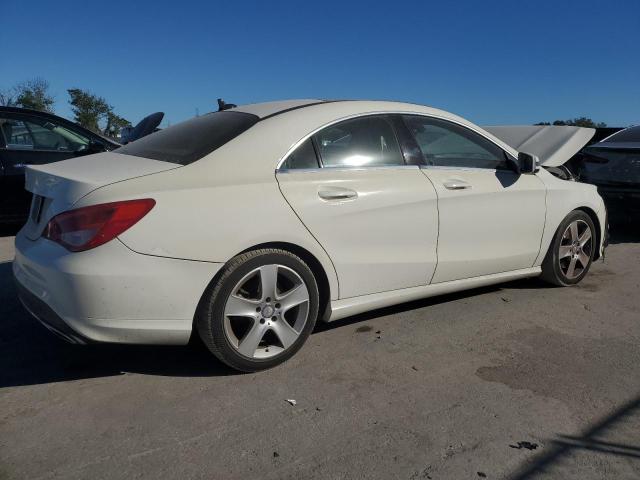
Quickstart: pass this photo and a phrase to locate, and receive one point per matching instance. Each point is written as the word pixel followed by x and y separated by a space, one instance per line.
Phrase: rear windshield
pixel 631 134
pixel 189 141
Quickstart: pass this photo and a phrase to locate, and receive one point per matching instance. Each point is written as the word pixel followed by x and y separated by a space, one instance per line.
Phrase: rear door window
pixel 362 142
pixel 303 157
pixel 191 140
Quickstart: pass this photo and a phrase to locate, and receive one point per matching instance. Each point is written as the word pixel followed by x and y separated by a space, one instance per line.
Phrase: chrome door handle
pixel 456 185
pixel 337 193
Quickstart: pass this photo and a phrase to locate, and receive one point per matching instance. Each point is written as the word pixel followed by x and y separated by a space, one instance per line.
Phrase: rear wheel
pixel 260 311
pixel 571 252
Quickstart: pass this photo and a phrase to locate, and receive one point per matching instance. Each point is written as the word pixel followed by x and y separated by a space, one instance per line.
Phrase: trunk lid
pixel 56 187
pixel 553 145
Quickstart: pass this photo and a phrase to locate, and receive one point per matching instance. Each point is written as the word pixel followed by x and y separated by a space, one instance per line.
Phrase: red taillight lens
pixel 88 227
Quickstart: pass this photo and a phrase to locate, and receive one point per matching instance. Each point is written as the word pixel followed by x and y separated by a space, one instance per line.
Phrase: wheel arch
pixel 596 223
pixel 324 287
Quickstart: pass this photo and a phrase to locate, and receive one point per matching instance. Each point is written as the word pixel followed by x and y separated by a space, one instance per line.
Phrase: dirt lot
pixel 446 388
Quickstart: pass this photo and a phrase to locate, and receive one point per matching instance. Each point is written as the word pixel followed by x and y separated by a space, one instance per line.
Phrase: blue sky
pixel 492 62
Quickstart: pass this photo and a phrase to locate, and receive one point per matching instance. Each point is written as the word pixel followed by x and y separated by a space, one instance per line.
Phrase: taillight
pixel 88 227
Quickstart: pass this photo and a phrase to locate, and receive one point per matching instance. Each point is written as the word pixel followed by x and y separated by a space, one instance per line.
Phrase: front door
pixel 491 218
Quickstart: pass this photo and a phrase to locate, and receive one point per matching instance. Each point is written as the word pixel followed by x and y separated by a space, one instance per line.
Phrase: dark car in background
pixel 29 137
pixel 613 165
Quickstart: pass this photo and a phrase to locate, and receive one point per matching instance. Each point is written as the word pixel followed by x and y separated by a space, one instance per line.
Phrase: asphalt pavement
pixel 519 381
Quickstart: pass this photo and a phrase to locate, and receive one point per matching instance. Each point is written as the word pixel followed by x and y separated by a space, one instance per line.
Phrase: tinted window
pixel 631 134
pixel 362 142
pixel 189 141
pixel 33 133
pixel 447 144
pixel 302 157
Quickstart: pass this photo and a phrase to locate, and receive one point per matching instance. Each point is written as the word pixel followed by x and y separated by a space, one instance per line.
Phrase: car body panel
pixel 382 238
pixel 554 145
pixel 235 199
pixel 562 198
pixel 494 225
pixel 352 306
pixel 111 294
pixel 62 184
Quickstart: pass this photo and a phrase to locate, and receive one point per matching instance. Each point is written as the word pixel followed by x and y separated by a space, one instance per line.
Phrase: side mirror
pixel 528 163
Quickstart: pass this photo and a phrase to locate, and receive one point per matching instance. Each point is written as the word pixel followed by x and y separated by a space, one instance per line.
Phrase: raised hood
pixel 553 145
pixel 62 184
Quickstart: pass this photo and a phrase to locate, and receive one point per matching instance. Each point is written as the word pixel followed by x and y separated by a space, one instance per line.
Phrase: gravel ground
pixel 515 381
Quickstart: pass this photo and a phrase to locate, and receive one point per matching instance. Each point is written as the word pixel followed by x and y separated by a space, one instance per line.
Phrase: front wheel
pixel 260 311
pixel 571 252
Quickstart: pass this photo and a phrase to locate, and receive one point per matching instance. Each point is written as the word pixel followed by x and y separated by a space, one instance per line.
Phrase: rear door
pixel 375 215
pixel 491 218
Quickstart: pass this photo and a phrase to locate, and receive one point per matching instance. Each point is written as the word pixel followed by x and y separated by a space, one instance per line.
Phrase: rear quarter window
pixel 191 140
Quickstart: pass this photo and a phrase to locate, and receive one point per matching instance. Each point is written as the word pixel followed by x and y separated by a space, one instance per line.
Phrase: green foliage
pixel 34 94
pixel 576 122
pixel 114 124
pixel 91 111
pixel 88 109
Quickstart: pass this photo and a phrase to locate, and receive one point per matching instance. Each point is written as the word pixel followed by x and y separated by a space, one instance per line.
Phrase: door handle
pixel 456 185
pixel 337 193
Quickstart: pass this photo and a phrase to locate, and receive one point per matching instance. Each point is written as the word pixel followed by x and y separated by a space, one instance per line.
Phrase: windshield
pixel 631 134
pixel 189 141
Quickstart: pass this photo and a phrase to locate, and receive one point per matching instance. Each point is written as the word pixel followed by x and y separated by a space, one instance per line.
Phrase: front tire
pixel 260 311
pixel 571 252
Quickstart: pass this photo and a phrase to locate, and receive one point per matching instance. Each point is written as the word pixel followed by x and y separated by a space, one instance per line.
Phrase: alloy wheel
pixel 575 249
pixel 266 311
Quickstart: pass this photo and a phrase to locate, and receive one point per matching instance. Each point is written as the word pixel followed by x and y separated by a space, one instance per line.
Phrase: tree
pixel 114 124
pixel 8 97
pixel 91 111
pixel 34 94
pixel 576 122
pixel 88 109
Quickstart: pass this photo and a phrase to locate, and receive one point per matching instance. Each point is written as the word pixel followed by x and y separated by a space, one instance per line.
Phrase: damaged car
pixel 248 225
pixel 612 164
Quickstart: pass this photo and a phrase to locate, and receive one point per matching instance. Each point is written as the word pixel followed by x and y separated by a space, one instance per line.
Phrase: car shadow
pixel 31 355
pixel 559 458
pixel 625 230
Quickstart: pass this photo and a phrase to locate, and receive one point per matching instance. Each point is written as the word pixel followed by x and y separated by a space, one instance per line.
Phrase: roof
pixel 624 139
pixel 267 109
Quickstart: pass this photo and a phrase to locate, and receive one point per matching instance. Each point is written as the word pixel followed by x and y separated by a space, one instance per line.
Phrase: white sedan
pixel 245 226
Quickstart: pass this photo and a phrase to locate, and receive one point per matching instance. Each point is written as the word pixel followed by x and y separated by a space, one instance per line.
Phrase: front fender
pixel 561 199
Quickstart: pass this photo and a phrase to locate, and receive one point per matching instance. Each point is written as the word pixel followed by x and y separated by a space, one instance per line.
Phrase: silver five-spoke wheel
pixel 266 311
pixel 575 249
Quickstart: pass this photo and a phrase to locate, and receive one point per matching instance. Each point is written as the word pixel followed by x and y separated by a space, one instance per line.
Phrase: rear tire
pixel 260 311
pixel 571 252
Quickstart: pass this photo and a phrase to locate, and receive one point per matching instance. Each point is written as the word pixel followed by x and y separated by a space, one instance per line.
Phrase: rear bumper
pixel 47 317
pixel 110 294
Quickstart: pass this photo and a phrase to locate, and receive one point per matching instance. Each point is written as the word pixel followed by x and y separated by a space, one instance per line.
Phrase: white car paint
pixel 552 144
pixel 492 225
pixel 404 236
pixel 382 238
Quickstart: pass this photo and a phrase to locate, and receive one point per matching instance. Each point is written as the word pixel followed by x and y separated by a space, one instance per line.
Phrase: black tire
pixel 552 272
pixel 210 316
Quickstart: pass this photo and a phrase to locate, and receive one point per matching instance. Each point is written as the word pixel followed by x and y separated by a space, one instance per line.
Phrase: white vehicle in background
pixel 247 225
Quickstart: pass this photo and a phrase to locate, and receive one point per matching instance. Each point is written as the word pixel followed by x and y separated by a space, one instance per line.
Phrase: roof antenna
pixel 225 106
